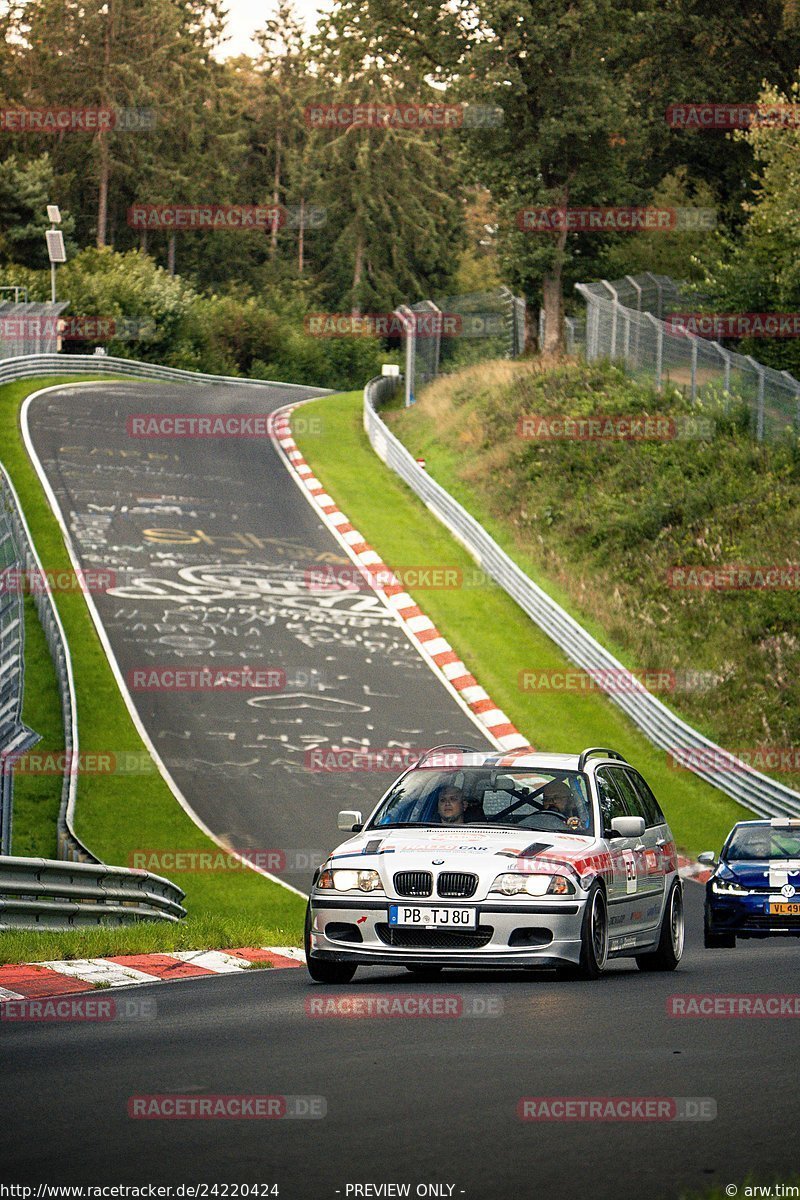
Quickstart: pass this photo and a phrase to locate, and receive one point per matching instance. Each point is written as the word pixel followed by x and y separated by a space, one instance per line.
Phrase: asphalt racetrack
pixel 415 1100
pixel 213 550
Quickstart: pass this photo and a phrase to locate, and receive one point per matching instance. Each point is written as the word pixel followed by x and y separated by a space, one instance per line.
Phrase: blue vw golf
pixel 754 891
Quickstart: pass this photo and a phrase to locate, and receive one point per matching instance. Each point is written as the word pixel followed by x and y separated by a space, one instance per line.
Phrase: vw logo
pixel 787 889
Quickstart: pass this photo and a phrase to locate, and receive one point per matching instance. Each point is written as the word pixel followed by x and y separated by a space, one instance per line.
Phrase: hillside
pixel 603 524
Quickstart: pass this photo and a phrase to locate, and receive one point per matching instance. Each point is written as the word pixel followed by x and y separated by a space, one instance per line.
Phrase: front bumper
pixel 522 934
pixel 748 916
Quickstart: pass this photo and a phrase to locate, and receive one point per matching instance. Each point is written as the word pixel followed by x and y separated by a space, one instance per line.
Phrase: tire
pixel 594 939
pixel 716 941
pixel 669 951
pixel 320 969
pixel 425 972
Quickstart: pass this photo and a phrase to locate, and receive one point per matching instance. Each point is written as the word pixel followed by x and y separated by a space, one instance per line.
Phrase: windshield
pixel 549 801
pixel 763 841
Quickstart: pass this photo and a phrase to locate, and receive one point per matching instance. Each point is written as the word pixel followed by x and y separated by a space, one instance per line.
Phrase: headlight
pixel 510 884
pixel 727 888
pixel 350 881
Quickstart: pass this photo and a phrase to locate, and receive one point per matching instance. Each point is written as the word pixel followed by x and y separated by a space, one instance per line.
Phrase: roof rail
pixel 447 746
pixel 604 750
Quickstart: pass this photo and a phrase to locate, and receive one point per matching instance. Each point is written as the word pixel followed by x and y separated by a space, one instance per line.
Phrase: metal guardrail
pixel 31 365
pixel 664 729
pixel 15 736
pixel 42 893
pixel 69 844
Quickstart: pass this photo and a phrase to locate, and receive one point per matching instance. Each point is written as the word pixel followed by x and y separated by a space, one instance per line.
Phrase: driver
pixel 557 797
pixel 452 805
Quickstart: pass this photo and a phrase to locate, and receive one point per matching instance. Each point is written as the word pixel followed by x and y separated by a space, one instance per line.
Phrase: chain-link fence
pixel 29 328
pixel 451 332
pixel 624 323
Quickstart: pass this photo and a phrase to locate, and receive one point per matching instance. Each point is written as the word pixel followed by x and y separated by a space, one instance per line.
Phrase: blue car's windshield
pixel 549 801
pixel 763 842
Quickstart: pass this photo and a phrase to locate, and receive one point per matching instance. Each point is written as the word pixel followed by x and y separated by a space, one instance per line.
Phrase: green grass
pixel 209 931
pixel 492 635
pixel 117 814
pixel 37 797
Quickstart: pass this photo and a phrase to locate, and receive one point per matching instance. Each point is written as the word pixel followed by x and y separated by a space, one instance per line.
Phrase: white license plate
pixel 427 918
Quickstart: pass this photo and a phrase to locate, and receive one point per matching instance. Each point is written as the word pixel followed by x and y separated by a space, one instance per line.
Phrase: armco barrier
pixel 32 365
pixel 69 844
pixel 41 893
pixel 750 788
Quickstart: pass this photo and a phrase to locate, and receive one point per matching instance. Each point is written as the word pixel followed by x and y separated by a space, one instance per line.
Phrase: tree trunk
pixel 171 254
pixel 276 196
pixel 300 242
pixel 143 241
pixel 358 270
pixel 102 195
pixel 102 137
pixel 553 311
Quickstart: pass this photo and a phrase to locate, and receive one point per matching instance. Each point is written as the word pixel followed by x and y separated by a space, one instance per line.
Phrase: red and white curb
pixel 26 981
pixel 434 648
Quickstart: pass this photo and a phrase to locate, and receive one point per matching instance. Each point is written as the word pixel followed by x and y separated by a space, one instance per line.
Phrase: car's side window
pixel 652 809
pixel 611 802
pixel 632 800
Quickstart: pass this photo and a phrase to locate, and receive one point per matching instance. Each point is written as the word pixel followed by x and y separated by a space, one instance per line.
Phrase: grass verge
pixel 493 636
pixel 115 814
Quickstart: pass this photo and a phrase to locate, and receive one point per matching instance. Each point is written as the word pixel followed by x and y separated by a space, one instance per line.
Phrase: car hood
pixel 759 873
pixel 485 852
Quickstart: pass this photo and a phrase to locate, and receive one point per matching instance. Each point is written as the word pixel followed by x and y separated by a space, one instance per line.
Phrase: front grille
pixel 765 921
pixel 434 939
pixel 456 884
pixel 413 883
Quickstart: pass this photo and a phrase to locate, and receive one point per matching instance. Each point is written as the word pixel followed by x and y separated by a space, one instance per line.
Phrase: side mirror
pixel 627 827
pixel 349 821
pixel 708 858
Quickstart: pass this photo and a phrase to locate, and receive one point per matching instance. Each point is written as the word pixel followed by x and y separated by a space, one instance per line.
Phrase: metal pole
pixel 694 370
pixel 659 348
pixel 760 400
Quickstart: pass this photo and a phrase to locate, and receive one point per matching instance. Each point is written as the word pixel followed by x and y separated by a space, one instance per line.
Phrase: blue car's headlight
pixel 728 887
